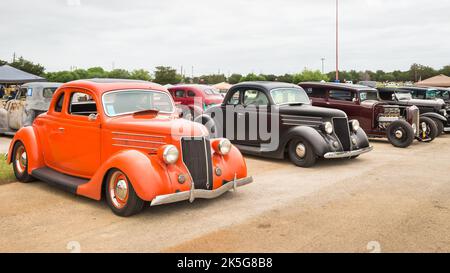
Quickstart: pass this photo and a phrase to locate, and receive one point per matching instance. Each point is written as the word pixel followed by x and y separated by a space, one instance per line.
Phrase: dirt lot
pixel 391 200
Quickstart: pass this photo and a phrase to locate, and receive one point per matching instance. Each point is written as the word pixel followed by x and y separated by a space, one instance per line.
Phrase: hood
pixel 311 111
pixel 420 102
pixel 159 125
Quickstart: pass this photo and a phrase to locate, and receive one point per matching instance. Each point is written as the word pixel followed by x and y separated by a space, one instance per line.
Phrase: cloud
pixel 231 36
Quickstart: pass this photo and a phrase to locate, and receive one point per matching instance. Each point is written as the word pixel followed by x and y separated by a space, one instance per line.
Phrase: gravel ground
pixel 390 200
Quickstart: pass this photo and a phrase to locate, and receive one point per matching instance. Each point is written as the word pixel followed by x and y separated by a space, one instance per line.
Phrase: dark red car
pixel 196 98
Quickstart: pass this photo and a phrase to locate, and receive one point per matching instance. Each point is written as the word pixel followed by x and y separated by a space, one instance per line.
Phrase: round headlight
pixel 424 127
pixel 414 128
pixel 170 154
pixel 328 127
pixel 224 146
pixel 355 125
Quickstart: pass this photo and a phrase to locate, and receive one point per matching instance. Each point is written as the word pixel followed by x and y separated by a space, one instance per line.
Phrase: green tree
pixel 3 62
pixel 97 72
pixel 213 79
pixel 119 74
pixel 253 77
pixel 234 78
pixel 167 75
pixel 140 74
pixel 28 66
pixel 61 76
pixel 445 70
pixel 286 78
pixel 310 75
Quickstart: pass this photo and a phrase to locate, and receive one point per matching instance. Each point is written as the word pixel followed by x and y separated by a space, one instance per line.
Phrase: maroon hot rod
pixel 400 124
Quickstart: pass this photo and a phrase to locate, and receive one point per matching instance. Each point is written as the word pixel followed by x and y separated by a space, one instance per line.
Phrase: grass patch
pixel 6 171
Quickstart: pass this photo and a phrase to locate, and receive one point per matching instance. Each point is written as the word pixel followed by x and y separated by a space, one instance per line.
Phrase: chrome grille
pixel 196 153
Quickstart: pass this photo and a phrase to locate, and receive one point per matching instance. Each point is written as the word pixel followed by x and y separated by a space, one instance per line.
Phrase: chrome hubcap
pixel 121 189
pixel 300 150
pixel 398 134
pixel 21 159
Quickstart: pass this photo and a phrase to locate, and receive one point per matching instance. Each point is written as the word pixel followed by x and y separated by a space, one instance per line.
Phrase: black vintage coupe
pixel 434 109
pixel 273 119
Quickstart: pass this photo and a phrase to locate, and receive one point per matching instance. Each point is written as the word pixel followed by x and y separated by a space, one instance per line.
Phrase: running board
pixel 57 179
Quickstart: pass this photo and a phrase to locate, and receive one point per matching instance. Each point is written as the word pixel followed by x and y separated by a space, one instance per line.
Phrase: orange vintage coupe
pixel 123 140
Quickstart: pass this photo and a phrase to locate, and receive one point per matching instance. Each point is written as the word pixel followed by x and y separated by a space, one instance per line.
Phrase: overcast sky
pixel 243 36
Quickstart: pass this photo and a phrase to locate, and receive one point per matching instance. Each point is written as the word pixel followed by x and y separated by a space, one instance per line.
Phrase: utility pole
pixel 337 40
pixel 323 65
pixel 14 57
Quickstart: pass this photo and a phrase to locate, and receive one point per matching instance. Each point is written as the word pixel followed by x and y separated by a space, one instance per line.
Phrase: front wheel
pixel 400 134
pixel 20 163
pixel 428 129
pixel 120 194
pixel 302 153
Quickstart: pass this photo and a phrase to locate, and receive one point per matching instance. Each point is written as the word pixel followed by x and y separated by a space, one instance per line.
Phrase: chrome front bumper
pixel 447 129
pixel 347 154
pixel 193 193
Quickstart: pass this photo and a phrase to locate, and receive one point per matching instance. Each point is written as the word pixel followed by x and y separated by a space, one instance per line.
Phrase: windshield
pixel 431 93
pixel 212 91
pixel 131 101
pixel 368 95
pixel 289 96
pixel 443 94
pixel 403 95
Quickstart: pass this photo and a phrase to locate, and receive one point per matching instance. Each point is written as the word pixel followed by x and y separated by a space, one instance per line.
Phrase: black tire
pixel 440 126
pixel 308 160
pixel 407 134
pixel 20 163
pixel 431 132
pixel 132 205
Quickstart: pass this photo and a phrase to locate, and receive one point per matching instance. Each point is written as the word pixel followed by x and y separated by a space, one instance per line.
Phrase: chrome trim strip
pixel 447 129
pixel 133 134
pixel 206 161
pixel 137 140
pixel 347 154
pixel 193 193
pixel 137 147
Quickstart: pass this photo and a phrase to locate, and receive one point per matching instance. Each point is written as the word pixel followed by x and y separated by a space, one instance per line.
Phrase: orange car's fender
pixel 146 173
pixel 233 164
pixel 28 136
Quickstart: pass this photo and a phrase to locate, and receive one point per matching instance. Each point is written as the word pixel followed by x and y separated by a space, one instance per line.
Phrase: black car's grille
pixel 197 158
pixel 342 131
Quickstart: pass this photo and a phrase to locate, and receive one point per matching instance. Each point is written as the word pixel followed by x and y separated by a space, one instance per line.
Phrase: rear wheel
pixel 428 130
pixel 120 194
pixel 20 163
pixel 440 126
pixel 302 153
pixel 400 134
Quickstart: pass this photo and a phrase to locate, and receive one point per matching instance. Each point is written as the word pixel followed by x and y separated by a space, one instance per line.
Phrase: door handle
pixel 61 129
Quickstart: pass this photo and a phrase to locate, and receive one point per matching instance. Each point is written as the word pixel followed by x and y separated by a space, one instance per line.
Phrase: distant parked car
pixel 31 100
pixel 400 124
pixel 434 109
pixel 429 93
pixel 299 131
pixel 196 98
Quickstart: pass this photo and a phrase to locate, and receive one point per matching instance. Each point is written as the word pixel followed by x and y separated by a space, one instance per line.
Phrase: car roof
pixel 265 85
pixel 354 87
pixel 101 86
pixel 198 86
pixel 416 88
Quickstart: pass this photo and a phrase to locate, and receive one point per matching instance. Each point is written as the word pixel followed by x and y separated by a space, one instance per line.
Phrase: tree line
pixel 168 75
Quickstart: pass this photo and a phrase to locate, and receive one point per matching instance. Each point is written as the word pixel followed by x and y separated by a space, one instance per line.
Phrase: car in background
pixel 430 93
pixel 434 109
pixel 194 99
pixel 31 100
pixel 122 140
pixel 277 120
pixel 379 119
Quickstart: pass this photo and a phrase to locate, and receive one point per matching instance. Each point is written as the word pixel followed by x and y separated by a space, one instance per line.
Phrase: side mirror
pixel 92 117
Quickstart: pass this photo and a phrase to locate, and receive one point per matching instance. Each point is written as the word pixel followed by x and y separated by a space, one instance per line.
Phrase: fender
pixel 435 116
pixel 362 141
pixel 232 165
pixel 147 174
pixel 310 134
pixel 28 136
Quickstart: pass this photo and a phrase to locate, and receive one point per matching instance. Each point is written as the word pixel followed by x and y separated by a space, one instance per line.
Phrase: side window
pixel 48 92
pixel 255 97
pixel 191 93
pixel 234 100
pixel 386 95
pixel 59 103
pixel 317 92
pixel 82 104
pixel 179 94
pixel 341 95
